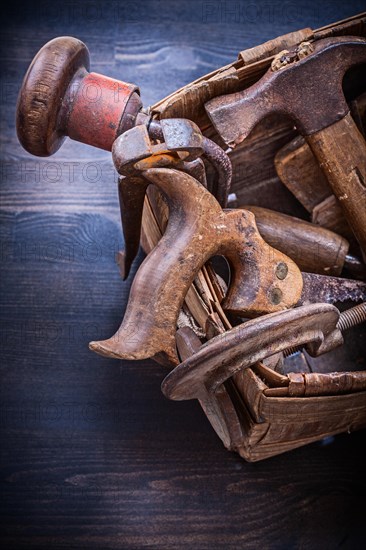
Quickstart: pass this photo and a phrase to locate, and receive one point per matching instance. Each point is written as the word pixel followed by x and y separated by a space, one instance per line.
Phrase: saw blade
pixel 323 288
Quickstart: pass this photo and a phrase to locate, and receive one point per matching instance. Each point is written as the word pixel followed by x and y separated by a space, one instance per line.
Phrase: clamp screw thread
pixel 352 317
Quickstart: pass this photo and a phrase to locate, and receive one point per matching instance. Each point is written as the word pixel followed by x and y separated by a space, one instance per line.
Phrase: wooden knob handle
pixel 42 92
pixel 59 98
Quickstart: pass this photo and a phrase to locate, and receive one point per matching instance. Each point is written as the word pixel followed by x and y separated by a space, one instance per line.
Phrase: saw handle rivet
pixel 275 296
pixel 281 271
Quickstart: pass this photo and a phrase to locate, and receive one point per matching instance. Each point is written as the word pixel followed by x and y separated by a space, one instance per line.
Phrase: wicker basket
pixel 260 412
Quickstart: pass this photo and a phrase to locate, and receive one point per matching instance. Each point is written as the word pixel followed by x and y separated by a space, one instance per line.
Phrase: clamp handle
pixel 59 98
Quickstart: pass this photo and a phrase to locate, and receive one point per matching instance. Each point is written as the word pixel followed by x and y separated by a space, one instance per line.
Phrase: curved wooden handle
pixel 263 279
pixel 59 98
pixel 341 152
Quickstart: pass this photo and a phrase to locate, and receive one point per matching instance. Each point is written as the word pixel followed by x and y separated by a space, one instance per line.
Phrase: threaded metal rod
pixel 352 317
pixel 347 319
pixel 292 350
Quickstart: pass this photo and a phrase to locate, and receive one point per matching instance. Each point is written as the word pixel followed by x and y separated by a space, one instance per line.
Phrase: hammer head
pixel 308 90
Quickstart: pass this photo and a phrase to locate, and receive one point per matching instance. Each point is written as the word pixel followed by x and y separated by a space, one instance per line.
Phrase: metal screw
pixel 281 271
pixel 352 317
pixel 276 296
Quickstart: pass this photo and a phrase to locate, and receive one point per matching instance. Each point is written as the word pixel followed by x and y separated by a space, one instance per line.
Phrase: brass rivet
pixel 276 296
pixel 281 271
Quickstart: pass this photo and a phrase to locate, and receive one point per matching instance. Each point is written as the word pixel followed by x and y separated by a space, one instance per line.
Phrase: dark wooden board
pixel 93 456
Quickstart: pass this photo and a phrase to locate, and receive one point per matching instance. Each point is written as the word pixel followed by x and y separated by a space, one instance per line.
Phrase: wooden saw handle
pixel 263 279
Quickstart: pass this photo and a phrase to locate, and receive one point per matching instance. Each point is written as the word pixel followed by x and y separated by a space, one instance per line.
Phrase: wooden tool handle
pixel 59 97
pixel 299 171
pixel 44 86
pixel 313 248
pixel 341 151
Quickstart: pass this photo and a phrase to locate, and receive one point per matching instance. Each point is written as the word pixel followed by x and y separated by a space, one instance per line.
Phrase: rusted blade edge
pixel 321 288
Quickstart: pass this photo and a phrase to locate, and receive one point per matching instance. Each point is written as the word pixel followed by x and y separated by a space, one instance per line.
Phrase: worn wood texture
pixel 313 248
pixel 92 454
pixel 341 152
pixel 235 356
pixel 44 88
pixel 328 213
pixel 197 230
pixel 300 172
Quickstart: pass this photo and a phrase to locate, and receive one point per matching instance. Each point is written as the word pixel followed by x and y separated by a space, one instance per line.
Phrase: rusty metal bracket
pixel 181 135
pixel 136 146
pixel 181 147
pixel 168 143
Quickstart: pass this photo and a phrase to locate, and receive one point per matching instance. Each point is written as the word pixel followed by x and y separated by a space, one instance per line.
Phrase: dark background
pixel 93 456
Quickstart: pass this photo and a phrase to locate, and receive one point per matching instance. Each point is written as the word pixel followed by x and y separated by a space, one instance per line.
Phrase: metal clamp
pixel 314 326
pixel 171 143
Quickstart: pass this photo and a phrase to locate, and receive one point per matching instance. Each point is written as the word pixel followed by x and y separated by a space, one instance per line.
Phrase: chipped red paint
pixel 98 108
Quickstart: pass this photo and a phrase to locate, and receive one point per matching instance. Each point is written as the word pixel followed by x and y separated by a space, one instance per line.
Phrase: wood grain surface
pixel 92 454
pixel 346 174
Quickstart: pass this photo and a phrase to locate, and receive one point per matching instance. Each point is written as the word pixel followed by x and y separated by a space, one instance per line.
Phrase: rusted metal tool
pixel 310 91
pixel 170 131
pixel 180 144
pixel 250 343
pixel 257 411
pixel 263 279
pixel 134 152
pixel 318 327
pixel 254 406
pixel 331 290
